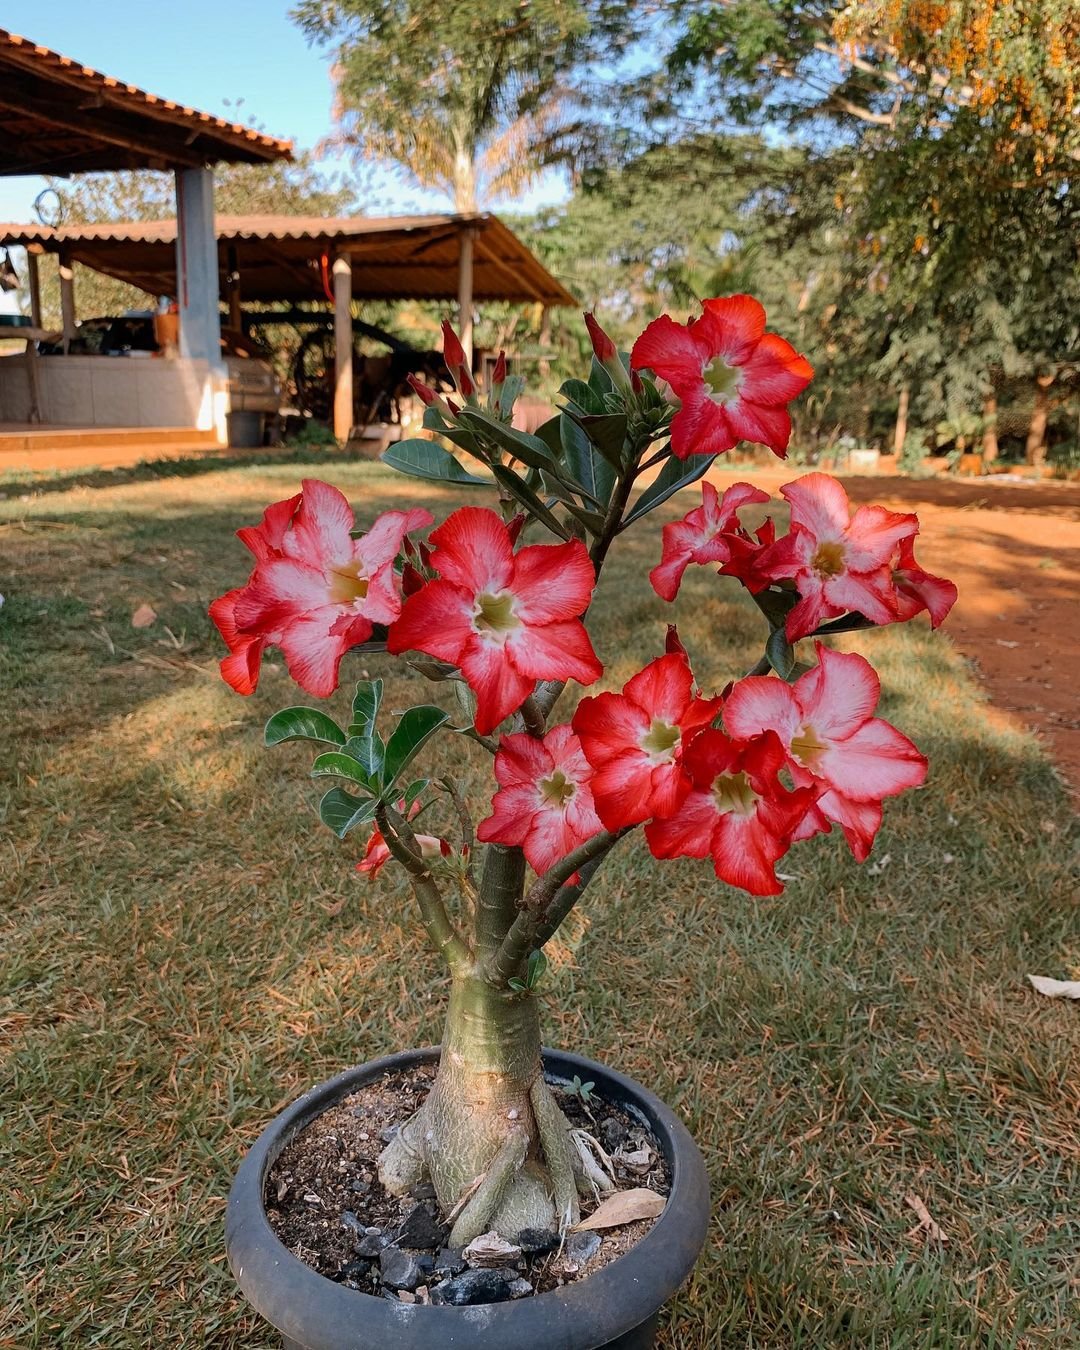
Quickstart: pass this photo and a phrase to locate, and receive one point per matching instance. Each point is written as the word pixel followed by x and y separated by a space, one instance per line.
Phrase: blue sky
pixel 202 52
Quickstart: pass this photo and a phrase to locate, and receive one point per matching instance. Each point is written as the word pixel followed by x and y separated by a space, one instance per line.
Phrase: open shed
pixel 62 117
pixel 467 259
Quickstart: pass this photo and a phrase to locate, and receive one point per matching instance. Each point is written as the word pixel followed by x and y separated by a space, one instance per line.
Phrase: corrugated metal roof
pixel 43 97
pixel 280 257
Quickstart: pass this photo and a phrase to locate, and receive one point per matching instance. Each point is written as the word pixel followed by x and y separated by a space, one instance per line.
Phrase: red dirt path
pixel 1013 549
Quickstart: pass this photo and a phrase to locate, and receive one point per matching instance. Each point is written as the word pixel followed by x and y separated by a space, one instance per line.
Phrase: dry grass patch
pixel 184 952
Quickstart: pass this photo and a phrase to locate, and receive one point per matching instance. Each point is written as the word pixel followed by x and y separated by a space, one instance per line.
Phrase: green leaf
pixel 673 477
pixel 534 971
pixel 521 491
pixel 530 450
pixel 425 459
pixel 776 604
pixel 413 791
pixel 781 653
pixel 341 811
pixel 512 390
pixel 585 462
pixel 580 394
pixel 337 764
pixel 302 724
pixel 608 433
pixel 417 725
pixel 365 707
pixel 368 751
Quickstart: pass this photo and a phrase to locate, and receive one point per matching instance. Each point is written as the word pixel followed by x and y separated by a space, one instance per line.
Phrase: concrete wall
pixel 120 391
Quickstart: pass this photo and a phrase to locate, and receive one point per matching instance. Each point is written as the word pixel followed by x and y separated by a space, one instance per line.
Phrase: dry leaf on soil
pixel 1055 988
pixel 622 1208
pixel 926 1224
pixel 143 617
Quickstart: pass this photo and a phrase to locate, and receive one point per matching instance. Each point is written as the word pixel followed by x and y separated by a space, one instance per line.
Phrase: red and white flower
pixel 316 592
pixel 827 726
pixel 240 668
pixel 703 536
pixel 839 560
pixel 917 590
pixel 505 620
pixel 733 380
pixel 377 853
pixel 635 741
pixel 737 811
pixel 544 805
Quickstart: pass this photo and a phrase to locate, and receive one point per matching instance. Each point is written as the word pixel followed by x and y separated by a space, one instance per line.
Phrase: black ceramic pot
pixel 617 1307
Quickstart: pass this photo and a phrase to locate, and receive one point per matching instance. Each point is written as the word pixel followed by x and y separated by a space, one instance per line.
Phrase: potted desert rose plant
pixel 493 605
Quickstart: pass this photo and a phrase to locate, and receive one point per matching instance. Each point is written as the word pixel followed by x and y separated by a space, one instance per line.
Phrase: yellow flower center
pixel 732 792
pixel 828 561
pixel 661 740
pixel 494 614
pixel 806 747
pixel 556 790
pixel 347 582
pixel 723 380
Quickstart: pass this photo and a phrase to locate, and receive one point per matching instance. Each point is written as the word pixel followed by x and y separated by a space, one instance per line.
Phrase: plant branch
pixel 473 735
pixel 403 844
pixel 522 937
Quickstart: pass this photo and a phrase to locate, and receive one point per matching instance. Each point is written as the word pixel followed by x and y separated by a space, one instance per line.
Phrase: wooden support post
pixel 343 348
pixel 67 299
pixel 466 242
pixel 900 430
pixel 232 291
pixel 33 277
pixel 990 436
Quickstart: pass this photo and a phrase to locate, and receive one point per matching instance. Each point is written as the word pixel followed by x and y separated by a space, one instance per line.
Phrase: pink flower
pixel 826 724
pixel 377 853
pixel 316 591
pixel 544 805
pixel 733 380
pixel 738 811
pixel 701 537
pixel 635 741
pixel 240 668
pixel 505 620
pixel 917 590
pixel 839 562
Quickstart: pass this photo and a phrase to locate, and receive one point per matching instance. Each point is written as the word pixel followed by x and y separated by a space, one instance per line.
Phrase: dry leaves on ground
pixel 1055 988
pixel 622 1208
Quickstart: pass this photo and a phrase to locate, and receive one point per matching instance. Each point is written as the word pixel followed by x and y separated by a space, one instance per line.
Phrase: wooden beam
pixel 232 288
pixel 466 242
pixel 343 348
pixel 33 277
pixel 67 299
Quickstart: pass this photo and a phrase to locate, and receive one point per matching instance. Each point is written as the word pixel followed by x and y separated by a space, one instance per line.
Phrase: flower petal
pixel 669 350
pixel 436 620
pixel 760 703
pixel 686 834
pixel 500 689
pixel 552 582
pixel 873 535
pixel 321 528
pixel 473 549
pixel 874 762
pixel 774 373
pixel 312 653
pixel 760 424
pixel 555 651
pixel 731 326
pixel 382 543
pixel 819 503
pixel 700 427
pixel 663 689
pixel 839 695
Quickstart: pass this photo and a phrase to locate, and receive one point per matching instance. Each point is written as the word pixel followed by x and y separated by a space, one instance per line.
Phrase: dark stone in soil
pixel 520 1288
pixel 476 1286
pixel 352 1223
pixel 581 1247
pixel 423 1190
pixel 450 1262
pixel 612 1133
pixel 355 1273
pixel 404 1270
pixel 371 1244
pixel 421 1231
pixel 360 1186
pixel 537 1241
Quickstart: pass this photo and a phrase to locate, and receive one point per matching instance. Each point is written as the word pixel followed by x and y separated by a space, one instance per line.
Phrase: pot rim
pixel 316 1311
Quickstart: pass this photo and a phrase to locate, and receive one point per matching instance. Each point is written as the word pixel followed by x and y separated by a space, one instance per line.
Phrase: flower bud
pixel 498 375
pixel 607 353
pixel 454 356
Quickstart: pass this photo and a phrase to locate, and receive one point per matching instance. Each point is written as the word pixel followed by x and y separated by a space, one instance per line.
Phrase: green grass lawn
pixel 185 951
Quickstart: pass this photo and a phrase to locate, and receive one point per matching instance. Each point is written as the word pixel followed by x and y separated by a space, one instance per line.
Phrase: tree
pixel 472 100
